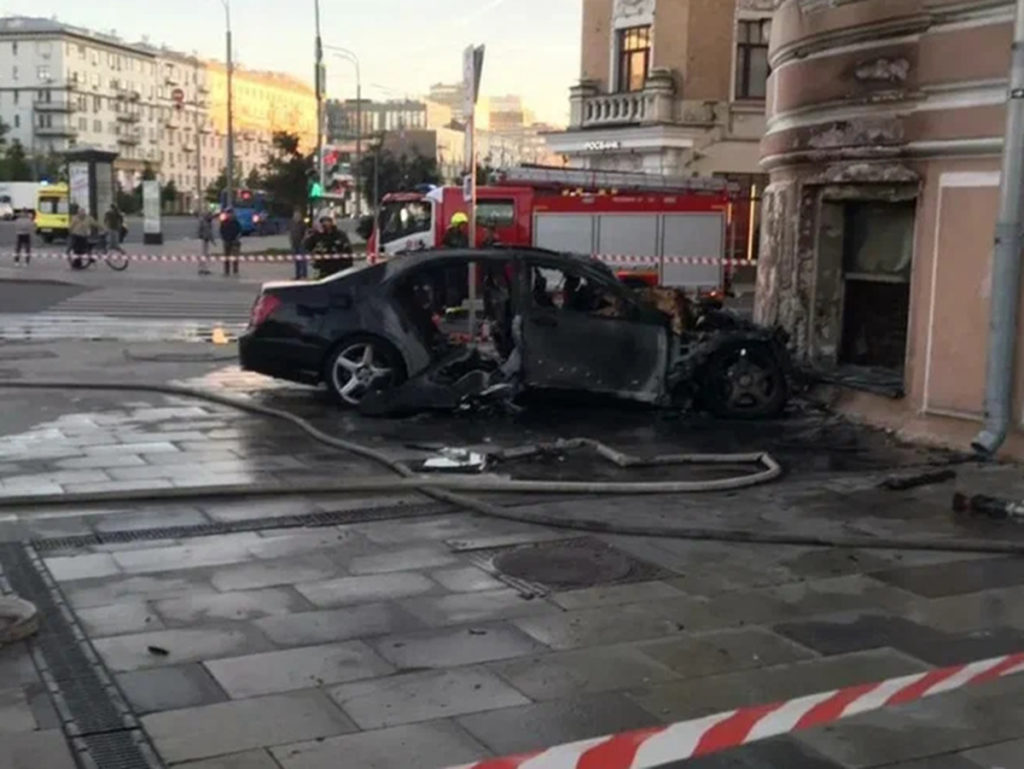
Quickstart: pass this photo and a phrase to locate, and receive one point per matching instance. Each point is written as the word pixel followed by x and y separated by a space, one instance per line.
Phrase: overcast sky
pixel 403 45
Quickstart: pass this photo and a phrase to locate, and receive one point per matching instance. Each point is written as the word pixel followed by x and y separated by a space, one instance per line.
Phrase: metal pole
pixel 1006 261
pixel 199 146
pixel 359 144
pixel 230 166
pixel 319 97
pixel 471 128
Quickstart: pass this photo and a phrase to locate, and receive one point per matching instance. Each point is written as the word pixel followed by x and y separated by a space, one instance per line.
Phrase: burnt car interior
pixel 550 322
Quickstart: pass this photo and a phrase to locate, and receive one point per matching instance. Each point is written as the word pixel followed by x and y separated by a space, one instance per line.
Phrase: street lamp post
pixel 345 53
pixel 319 66
pixel 230 168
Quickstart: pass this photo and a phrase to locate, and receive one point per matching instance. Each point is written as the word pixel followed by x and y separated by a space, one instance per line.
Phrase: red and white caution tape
pixel 647 748
pixel 614 259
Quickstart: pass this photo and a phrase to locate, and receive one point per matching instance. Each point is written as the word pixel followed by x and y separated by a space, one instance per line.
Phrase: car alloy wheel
pixel 360 367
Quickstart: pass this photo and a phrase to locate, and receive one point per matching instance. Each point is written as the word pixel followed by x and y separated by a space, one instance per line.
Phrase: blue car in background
pixel 252 209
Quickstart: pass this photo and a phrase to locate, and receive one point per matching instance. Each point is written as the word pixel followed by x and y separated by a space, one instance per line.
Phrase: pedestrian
pixel 205 238
pixel 297 239
pixel 230 234
pixel 113 220
pixel 23 230
pixel 457 234
pixel 80 231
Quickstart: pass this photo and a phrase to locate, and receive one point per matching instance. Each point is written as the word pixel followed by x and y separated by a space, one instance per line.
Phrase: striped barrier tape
pixel 618 259
pixel 648 748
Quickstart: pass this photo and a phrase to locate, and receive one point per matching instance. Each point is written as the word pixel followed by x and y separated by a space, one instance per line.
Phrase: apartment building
pixel 885 131
pixel 63 87
pixel 344 116
pixel 670 87
pixel 263 104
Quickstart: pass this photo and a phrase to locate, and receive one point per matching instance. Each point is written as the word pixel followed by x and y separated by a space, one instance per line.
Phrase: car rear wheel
pixel 361 365
pixel 744 381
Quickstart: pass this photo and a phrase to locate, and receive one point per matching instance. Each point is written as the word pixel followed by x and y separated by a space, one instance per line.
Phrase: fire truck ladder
pixel 617 180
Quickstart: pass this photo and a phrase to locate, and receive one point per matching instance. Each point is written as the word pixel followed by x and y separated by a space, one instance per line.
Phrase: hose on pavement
pixel 444 489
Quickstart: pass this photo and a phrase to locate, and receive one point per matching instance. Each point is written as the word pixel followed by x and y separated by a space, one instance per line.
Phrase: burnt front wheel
pixel 360 365
pixel 744 381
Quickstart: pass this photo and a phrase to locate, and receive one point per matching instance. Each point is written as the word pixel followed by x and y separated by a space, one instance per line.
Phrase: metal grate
pixel 90 707
pixel 586 549
pixel 304 520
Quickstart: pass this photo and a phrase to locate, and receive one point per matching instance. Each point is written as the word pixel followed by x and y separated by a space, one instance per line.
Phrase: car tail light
pixel 265 306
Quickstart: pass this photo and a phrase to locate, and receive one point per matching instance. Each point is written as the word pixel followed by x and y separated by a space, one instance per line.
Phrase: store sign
pixel 601 146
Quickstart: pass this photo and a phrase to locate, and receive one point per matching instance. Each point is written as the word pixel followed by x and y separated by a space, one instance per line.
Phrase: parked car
pixel 553 321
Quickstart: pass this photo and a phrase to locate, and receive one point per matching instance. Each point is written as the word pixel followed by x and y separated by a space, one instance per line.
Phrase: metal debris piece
pixel 991 507
pixel 450 459
pixel 913 480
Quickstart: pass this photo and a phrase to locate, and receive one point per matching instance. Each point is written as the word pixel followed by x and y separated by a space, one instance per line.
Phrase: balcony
pixel 654 104
pixel 56 130
pixel 61 105
pixel 129 139
pixel 128 117
pixel 172 121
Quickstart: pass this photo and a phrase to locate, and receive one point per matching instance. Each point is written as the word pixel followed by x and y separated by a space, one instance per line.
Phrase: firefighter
pixel 457 234
pixel 328 240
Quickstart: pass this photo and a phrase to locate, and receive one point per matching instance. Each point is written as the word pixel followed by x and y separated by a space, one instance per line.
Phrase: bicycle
pixel 116 260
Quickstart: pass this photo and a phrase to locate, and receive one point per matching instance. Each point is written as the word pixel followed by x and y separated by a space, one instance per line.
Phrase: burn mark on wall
pixel 884 70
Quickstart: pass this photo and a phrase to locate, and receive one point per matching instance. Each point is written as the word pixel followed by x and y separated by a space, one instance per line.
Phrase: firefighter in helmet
pixel 457 234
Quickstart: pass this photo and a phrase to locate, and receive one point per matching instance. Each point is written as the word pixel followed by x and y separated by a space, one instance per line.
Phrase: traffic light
pixel 316 190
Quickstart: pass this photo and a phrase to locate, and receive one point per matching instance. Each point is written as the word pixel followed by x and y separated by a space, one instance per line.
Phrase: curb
pixel 653 747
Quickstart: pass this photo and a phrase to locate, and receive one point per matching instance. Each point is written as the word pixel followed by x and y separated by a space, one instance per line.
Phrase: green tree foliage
pixel 254 181
pixel 14 165
pixel 396 174
pixel 169 193
pixel 218 185
pixel 287 173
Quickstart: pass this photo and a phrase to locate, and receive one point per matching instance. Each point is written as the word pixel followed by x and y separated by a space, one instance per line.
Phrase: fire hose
pixel 445 488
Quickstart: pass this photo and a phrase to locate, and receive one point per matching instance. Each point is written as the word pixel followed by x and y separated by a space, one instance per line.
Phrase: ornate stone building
pixel 884 135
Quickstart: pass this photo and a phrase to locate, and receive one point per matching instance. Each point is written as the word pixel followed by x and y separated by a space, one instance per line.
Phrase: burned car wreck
pixel 395 337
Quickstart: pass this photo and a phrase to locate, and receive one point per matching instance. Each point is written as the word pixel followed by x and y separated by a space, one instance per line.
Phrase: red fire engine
pixel 659 230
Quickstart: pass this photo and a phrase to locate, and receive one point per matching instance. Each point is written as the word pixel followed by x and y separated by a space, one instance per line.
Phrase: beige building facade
pixel 884 136
pixel 669 86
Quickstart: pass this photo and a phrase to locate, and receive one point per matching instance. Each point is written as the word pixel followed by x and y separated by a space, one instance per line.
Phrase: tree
pixel 395 174
pixel 287 173
pixel 126 200
pixel 148 174
pixel 218 185
pixel 169 193
pixel 14 165
pixel 254 181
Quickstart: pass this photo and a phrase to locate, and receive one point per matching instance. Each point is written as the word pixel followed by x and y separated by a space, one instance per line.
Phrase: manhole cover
pixel 565 565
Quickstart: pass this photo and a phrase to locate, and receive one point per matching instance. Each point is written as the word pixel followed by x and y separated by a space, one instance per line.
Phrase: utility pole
pixel 199 142
pixel 1006 261
pixel 230 166
pixel 319 96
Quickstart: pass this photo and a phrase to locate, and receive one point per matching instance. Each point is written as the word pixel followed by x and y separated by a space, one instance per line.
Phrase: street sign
pixel 472 67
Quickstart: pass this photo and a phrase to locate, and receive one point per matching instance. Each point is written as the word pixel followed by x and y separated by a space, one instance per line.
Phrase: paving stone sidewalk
pixel 386 644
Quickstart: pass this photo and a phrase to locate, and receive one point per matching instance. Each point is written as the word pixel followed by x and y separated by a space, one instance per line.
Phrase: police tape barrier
pixel 615 259
pixel 648 748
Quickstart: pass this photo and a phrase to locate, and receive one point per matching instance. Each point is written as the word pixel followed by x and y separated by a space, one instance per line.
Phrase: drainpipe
pixel 1006 261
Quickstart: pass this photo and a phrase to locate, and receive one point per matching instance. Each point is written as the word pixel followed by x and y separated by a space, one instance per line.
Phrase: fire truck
pixel 651 229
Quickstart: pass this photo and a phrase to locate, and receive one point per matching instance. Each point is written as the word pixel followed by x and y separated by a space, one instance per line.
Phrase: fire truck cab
pixel 656 230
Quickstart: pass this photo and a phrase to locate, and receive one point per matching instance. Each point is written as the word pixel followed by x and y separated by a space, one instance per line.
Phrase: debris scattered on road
pixel 19 619
pixel 451 459
pixel 159 651
pixel 913 480
pixel 984 505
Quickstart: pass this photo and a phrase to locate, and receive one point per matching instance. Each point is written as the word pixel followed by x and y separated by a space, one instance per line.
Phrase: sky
pixel 403 45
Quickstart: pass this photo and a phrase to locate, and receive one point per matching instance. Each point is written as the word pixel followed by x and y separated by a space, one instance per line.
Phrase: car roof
pixel 414 259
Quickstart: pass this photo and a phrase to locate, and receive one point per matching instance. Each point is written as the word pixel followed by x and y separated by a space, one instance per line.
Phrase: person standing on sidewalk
pixel 297 240
pixel 231 234
pixel 205 235
pixel 113 220
pixel 23 226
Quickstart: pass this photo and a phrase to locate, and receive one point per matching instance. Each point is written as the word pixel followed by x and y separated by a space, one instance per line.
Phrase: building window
pixel 634 57
pixel 17 95
pixel 14 73
pixel 97 126
pixel 14 48
pixel 17 120
pixel 43 73
pixel 752 58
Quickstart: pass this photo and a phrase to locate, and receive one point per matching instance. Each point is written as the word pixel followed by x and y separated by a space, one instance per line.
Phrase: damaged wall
pixel 890 102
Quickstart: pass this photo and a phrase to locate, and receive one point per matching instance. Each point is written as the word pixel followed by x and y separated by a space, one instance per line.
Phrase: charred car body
pixel 394 336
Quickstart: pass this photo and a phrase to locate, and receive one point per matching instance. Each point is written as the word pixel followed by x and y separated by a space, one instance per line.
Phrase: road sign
pixel 472 67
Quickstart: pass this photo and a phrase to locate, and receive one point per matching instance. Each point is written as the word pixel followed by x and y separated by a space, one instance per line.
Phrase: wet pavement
pixel 310 631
